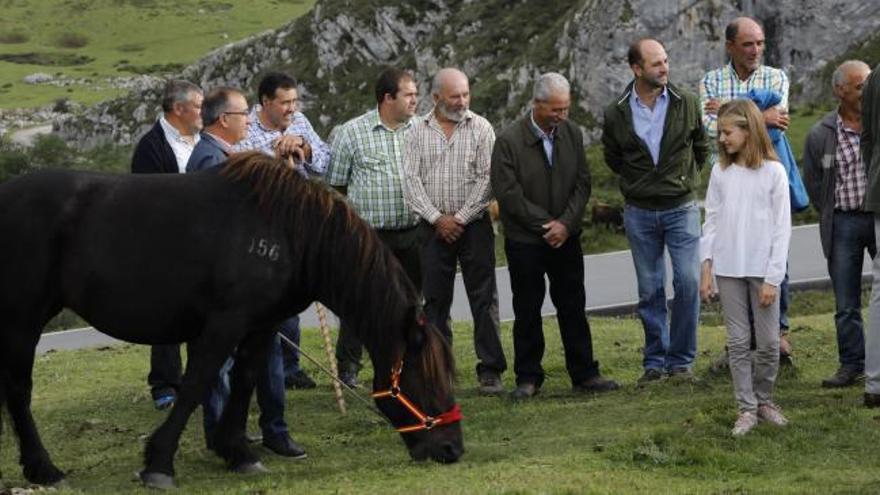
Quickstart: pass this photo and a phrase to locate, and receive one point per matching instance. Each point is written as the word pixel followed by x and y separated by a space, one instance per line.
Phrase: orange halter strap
pixel 425 422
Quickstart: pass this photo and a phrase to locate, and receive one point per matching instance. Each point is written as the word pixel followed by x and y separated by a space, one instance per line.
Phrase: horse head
pixel 416 394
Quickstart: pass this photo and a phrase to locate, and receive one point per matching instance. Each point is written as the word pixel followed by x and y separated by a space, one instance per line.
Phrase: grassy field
pixel 94 411
pixel 96 39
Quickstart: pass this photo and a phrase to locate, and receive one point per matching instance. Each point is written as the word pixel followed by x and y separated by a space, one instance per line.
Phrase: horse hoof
pixel 61 484
pixel 158 481
pixel 251 468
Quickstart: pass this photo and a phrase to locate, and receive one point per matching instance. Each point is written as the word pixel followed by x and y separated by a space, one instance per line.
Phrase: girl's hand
pixel 768 295
pixel 706 288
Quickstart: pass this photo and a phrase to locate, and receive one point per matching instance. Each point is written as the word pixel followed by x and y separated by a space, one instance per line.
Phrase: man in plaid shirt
pixel 367 165
pixel 446 160
pixel 744 42
pixel 836 179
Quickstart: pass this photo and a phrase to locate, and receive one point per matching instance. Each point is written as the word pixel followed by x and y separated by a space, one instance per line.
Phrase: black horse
pixel 216 260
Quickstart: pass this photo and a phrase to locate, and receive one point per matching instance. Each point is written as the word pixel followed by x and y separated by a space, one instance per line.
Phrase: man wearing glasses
pixel 225 115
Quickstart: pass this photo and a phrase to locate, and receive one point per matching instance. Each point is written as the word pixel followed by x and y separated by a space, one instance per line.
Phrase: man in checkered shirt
pixel 744 42
pixel 836 179
pixel 367 165
pixel 446 160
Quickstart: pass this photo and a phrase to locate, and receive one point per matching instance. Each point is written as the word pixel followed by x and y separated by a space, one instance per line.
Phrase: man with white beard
pixel 446 160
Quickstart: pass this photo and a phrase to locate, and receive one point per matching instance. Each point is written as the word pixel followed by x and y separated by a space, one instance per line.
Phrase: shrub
pixel 14 37
pixel 71 40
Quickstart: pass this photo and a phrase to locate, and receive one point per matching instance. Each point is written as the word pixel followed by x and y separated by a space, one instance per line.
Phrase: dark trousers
pixel 405 247
pixel 852 234
pixel 290 329
pixel 475 250
pixel 564 267
pixel 165 370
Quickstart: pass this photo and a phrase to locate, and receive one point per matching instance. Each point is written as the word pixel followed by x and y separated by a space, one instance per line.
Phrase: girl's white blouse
pixel 748 222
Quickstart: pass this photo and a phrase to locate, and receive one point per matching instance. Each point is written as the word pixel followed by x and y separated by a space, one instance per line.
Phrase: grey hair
pixel 549 83
pixel 437 81
pixel 215 103
pixel 177 91
pixel 838 77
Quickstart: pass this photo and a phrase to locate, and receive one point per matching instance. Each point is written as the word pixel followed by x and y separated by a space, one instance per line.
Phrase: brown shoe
pixel 872 401
pixel 595 385
pixel 490 383
pixel 524 390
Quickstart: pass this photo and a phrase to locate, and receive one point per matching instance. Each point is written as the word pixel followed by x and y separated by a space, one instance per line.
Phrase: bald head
pixel 845 70
pixel 452 95
pixel 745 45
pixel 744 23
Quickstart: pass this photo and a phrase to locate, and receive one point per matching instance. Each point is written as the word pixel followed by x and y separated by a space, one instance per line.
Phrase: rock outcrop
pixel 336 50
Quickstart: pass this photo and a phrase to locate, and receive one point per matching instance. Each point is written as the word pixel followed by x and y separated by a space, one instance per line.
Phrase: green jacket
pixel 529 191
pixel 870 140
pixel 683 151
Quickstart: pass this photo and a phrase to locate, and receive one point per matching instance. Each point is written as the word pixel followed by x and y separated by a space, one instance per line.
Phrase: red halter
pixel 425 422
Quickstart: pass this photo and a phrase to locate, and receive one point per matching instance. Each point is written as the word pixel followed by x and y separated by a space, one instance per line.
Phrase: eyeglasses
pixel 236 113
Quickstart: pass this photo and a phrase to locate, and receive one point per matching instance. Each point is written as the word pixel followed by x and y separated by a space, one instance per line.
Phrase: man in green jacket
pixel 540 177
pixel 655 141
pixel 871 158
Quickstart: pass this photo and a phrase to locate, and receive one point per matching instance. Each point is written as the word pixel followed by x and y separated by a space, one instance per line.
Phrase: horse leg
pixel 202 368
pixel 17 357
pixel 230 434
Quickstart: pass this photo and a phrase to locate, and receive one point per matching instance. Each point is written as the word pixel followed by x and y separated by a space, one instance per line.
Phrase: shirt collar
pixel 536 129
pixel 172 132
pixel 635 96
pixel 227 148
pixel 376 122
pixel 732 70
pixel 841 126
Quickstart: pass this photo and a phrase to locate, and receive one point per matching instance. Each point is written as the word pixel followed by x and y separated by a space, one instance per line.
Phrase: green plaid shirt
pixel 367 157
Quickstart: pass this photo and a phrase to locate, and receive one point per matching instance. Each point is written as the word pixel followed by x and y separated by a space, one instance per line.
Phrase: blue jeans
pixel 290 329
pixel 270 395
pixel 668 344
pixel 852 233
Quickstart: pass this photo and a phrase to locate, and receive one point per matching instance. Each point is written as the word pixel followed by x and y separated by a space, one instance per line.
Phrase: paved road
pixel 610 284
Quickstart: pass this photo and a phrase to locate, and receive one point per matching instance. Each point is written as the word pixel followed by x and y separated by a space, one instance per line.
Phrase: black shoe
pixel 300 380
pixel 595 385
pixel 349 378
pixel 164 400
pixel 490 383
pixel 683 375
pixel 844 377
pixel 650 375
pixel 524 391
pixel 872 400
pixel 284 446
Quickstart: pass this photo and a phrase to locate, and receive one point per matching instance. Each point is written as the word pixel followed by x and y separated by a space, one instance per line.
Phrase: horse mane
pixel 343 262
pixel 436 361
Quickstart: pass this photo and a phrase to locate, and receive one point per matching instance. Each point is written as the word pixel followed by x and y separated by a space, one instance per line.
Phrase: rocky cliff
pixel 336 50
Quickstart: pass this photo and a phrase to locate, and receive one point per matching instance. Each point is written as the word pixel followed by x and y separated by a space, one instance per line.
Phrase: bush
pixel 14 37
pixel 71 40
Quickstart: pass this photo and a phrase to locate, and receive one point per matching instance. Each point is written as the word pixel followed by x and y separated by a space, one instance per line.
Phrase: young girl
pixel 745 242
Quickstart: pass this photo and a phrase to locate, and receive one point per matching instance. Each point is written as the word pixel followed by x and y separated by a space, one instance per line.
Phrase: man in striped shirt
pixel 367 165
pixel 836 179
pixel 744 42
pixel 446 160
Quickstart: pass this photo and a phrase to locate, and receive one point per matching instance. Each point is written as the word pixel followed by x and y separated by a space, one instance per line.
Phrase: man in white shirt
pixel 166 148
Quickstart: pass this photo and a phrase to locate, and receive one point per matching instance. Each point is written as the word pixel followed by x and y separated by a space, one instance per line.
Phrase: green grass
pixel 122 37
pixel 93 408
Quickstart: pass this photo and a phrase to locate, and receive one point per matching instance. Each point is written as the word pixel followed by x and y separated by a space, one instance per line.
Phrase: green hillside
pixel 88 41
